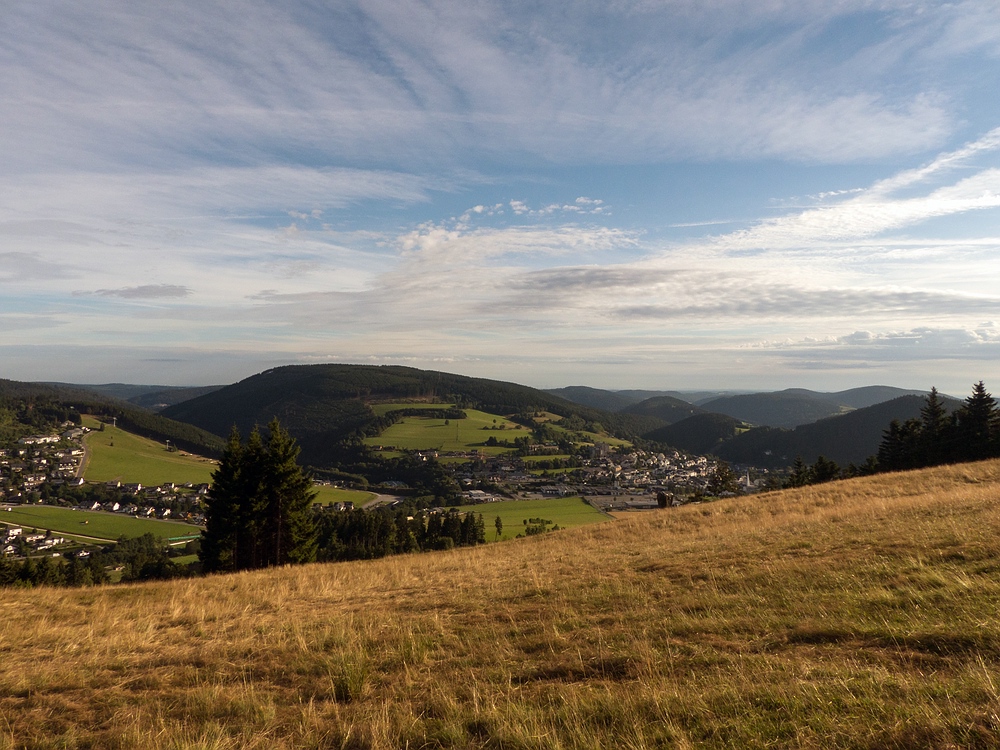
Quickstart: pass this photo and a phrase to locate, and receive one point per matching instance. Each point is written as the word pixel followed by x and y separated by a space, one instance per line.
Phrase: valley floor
pixel 854 614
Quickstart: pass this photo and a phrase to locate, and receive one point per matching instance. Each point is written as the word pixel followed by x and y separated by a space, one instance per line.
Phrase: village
pixel 49 469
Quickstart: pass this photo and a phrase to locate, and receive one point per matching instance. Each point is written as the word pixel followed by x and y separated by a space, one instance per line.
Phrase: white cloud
pixel 875 210
pixel 146 291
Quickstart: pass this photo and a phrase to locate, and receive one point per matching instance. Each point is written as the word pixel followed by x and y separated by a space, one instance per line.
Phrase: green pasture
pixel 329 495
pixel 426 433
pixel 591 437
pixel 536 459
pixel 383 409
pixel 116 454
pixel 567 512
pixel 87 523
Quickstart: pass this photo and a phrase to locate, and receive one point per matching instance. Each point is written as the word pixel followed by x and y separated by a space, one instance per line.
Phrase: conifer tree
pixel 286 528
pixel 978 424
pixel 824 470
pixel 800 475
pixel 218 541
pixel 935 426
pixel 258 511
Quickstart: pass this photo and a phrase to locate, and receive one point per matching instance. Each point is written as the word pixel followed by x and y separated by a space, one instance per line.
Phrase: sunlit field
pixel 858 614
pixel 328 495
pixel 426 433
pixel 565 512
pixel 92 524
pixel 117 454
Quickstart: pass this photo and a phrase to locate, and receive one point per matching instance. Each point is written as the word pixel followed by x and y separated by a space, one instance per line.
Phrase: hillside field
pixel 94 524
pixel 428 433
pixel 116 454
pixel 856 614
pixel 566 512
pixel 329 495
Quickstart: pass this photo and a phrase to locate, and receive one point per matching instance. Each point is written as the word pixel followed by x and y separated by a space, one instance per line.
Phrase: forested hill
pixel 845 439
pixel 35 407
pixel 323 404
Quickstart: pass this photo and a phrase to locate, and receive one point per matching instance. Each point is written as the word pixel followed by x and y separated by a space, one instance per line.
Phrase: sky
pixel 664 194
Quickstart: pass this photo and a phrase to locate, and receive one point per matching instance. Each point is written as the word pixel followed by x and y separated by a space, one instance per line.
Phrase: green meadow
pixel 116 454
pixel 591 437
pixel 97 524
pixel 329 495
pixel 426 433
pixel 566 512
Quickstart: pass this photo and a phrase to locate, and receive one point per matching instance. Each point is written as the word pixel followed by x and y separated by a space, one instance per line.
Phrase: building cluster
pixel 601 471
pixel 42 465
pixel 41 459
pixel 13 541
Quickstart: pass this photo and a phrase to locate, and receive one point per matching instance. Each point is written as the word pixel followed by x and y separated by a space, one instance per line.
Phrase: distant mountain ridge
pixel 154 397
pixel 600 398
pixel 667 408
pixel 849 438
pixel 788 408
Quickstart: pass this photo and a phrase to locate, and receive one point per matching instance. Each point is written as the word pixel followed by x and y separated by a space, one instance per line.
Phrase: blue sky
pixel 626 194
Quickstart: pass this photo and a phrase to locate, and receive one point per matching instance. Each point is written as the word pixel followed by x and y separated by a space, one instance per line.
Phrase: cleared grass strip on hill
pixel 116 454
pixel 859 614
pixel 427 433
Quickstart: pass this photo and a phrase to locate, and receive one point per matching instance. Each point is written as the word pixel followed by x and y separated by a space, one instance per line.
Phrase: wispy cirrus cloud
pixel 22 267
pixel 419 82
pixel 146 291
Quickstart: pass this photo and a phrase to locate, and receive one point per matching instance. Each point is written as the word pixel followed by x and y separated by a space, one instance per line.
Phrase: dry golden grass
pixel 857 614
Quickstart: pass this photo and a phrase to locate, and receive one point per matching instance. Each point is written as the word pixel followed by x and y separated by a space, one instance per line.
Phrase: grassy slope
pixel 109 526
pixel 138 459
pixel 857 614
pixel 424 433
pixel 567 512
pixel 328 495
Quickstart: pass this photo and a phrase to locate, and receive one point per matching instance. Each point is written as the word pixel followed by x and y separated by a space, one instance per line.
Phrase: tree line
pixel 970 433
pixel 938 436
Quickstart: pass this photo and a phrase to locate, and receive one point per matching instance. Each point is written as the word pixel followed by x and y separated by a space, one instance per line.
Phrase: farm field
pixel 854 614
pixel 425 433
pixel 97 524
pixel 116 454
pixel 329 495
pixel 567 512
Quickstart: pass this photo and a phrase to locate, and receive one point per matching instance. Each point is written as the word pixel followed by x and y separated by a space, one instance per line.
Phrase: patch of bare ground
pixel 859 614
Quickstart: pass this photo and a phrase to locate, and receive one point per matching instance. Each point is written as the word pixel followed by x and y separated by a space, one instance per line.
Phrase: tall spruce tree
pixel 218 541
pixel 258 511
pixel 287 530
pixel 978 424
pixel 935 444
